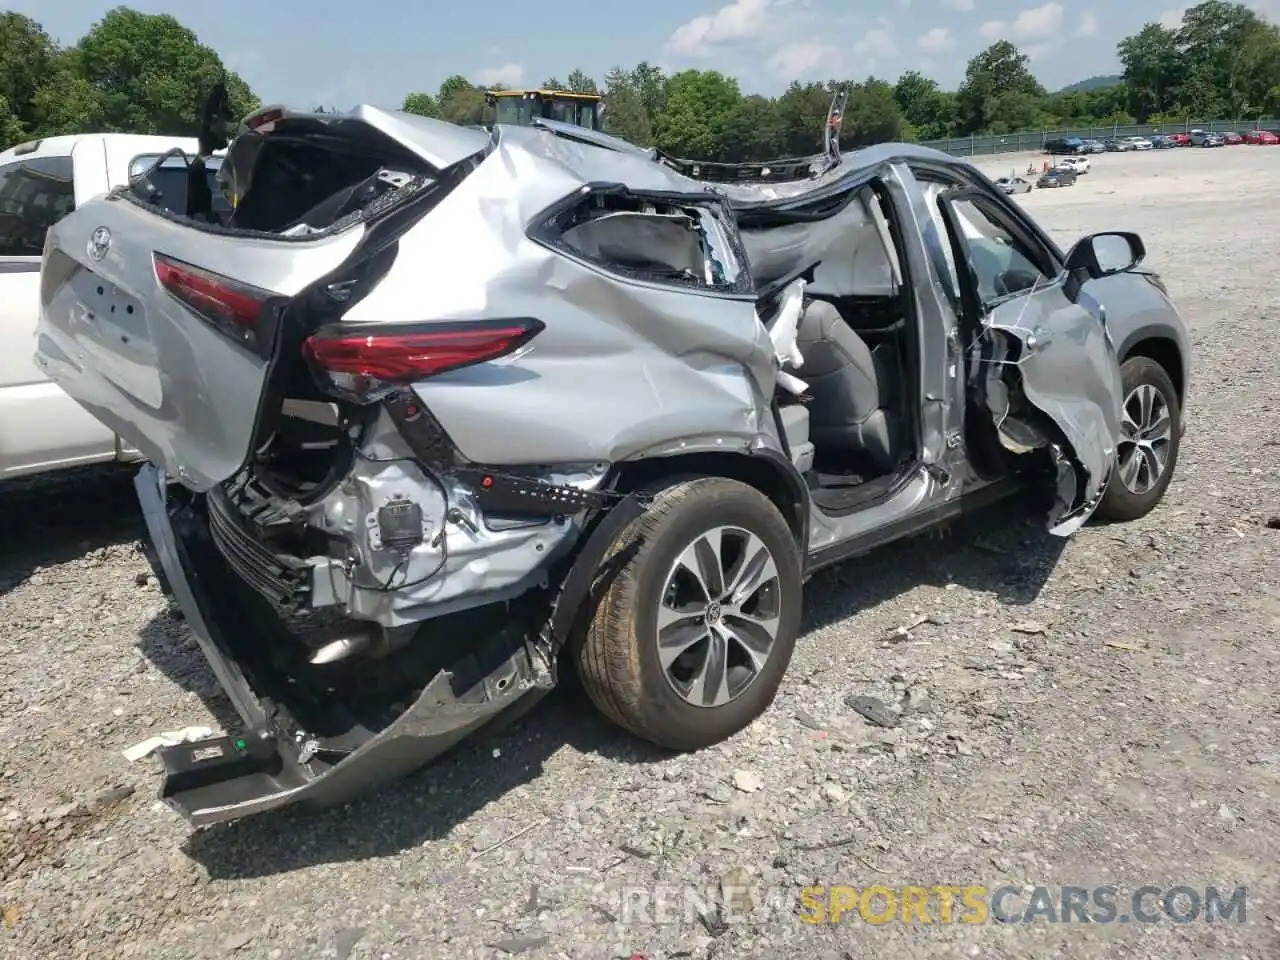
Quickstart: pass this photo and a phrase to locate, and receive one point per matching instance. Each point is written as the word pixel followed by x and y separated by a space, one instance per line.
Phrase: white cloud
pixel 958 4
pixel 1088 25
pixel 879 41
pixel 937 40
pixel 800 58
pixel 740 20
pixel 1038 23
pixel 1171 19
pixel 508 74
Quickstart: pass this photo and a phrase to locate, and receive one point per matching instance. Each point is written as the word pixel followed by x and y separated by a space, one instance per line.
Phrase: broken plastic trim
pixel 225 778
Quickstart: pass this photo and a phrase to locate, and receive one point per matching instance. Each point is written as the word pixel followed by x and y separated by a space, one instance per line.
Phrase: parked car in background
pixel 1013 185
pixel 1233 139
pixel 1112 145
pixel 1161 142
pixel 1213 140
pixel 1138 143
pixel 1064 146
pixel 1197 137
pixel 1094 146
pixel 1057 177
pixel 1078 164
pixel 1262 137
pixel 41 428
pixel 401 503
pixel 1180 139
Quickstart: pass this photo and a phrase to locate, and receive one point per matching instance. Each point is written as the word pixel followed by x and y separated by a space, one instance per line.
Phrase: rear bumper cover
pixel 226 778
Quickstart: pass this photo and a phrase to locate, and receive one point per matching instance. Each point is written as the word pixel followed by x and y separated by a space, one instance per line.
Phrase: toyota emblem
pixel 99 243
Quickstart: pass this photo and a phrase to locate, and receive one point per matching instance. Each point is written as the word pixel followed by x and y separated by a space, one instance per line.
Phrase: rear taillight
pixel 364 363
pixel 234 308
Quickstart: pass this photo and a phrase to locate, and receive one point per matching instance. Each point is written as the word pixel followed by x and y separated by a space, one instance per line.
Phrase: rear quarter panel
pixel 624 368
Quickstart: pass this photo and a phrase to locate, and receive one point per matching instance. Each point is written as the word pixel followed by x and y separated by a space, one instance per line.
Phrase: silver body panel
pixel 628 368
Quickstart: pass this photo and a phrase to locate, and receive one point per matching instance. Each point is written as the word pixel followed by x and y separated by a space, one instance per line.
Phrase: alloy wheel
pixel 1146 430
pixel 719 617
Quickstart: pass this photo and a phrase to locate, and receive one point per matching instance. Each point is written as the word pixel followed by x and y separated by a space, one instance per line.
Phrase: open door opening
pixel 854 402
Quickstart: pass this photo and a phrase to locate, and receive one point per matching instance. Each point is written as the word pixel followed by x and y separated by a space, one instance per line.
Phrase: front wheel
pixel 1151 427
pixel 696 627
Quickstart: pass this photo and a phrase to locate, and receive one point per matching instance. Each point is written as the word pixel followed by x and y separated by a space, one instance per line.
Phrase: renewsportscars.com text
pixel 1012 904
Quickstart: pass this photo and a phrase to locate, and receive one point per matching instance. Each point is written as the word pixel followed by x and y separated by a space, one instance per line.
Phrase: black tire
pixel 1119 503
pixel 618 660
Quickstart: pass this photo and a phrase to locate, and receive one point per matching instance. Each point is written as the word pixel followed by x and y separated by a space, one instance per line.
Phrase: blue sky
pixel 339 53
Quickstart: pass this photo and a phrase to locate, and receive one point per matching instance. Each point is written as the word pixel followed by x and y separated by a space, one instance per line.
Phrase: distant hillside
pixel 1093 83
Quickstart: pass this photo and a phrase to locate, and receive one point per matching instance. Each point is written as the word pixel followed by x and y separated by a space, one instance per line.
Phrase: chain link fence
pixel 1034 140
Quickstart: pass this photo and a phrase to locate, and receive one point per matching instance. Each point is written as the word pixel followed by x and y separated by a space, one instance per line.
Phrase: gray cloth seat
pixel 853 411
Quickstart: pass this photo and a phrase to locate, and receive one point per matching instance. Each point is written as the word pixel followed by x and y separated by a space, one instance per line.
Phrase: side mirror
pixel 1102 255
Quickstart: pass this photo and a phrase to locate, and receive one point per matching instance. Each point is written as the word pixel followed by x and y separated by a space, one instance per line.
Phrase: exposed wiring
pixel 387 586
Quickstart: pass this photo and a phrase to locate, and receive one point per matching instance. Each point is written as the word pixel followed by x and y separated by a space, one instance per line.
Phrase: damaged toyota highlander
pixel 435 413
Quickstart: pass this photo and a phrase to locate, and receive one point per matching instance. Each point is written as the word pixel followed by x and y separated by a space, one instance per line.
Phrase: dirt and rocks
pixel 1098 712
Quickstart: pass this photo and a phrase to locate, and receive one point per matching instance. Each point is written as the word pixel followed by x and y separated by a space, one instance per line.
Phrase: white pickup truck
pixel 41 428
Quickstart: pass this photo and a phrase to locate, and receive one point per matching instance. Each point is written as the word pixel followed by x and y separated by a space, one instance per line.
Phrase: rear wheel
pixel 1151 422
pixel 690 640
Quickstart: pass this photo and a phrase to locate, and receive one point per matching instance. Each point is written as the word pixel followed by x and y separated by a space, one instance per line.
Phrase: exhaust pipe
pixel 366 639
pixel 342 648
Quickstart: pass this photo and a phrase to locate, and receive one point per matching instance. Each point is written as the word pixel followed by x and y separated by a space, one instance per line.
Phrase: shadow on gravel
pixel 423 808
pixel 1004 551
pixel 52 519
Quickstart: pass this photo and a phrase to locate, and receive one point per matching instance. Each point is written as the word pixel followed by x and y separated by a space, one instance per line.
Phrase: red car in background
pixel 1180 139
pixel 1232 139
pixel 1261 137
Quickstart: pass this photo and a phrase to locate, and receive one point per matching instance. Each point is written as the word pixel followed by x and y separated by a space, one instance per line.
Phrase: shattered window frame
pixel 710 212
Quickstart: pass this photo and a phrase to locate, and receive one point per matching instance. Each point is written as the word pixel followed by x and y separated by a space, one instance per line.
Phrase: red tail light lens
pixel 364 363
pixel 234 308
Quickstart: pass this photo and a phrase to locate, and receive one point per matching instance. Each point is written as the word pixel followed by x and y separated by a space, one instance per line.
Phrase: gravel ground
pixel 1101 711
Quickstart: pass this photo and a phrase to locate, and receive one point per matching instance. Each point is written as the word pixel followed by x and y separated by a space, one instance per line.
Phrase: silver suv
pixel 448 412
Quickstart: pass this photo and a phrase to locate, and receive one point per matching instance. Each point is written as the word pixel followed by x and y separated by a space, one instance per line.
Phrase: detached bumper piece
pixel 262 768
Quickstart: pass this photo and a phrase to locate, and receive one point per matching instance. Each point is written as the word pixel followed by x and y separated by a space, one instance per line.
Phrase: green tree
pixel 1153 70
pixel 12 131
pixel 579 82
pixel 152 73
pixel 553 83
pixel 650 84
pixel 928 111
pixel 802 112
pixel 67 102
pixel 27 59
pixel 460 101
pixel 753 131
pixel 700 105
pixel 1209 41
pixel 872 114
pixel 999 93
pixel 1257 71
pixel 625 115
pixel 423 104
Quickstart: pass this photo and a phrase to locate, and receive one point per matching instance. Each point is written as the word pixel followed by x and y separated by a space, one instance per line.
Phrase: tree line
pixel 147 73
